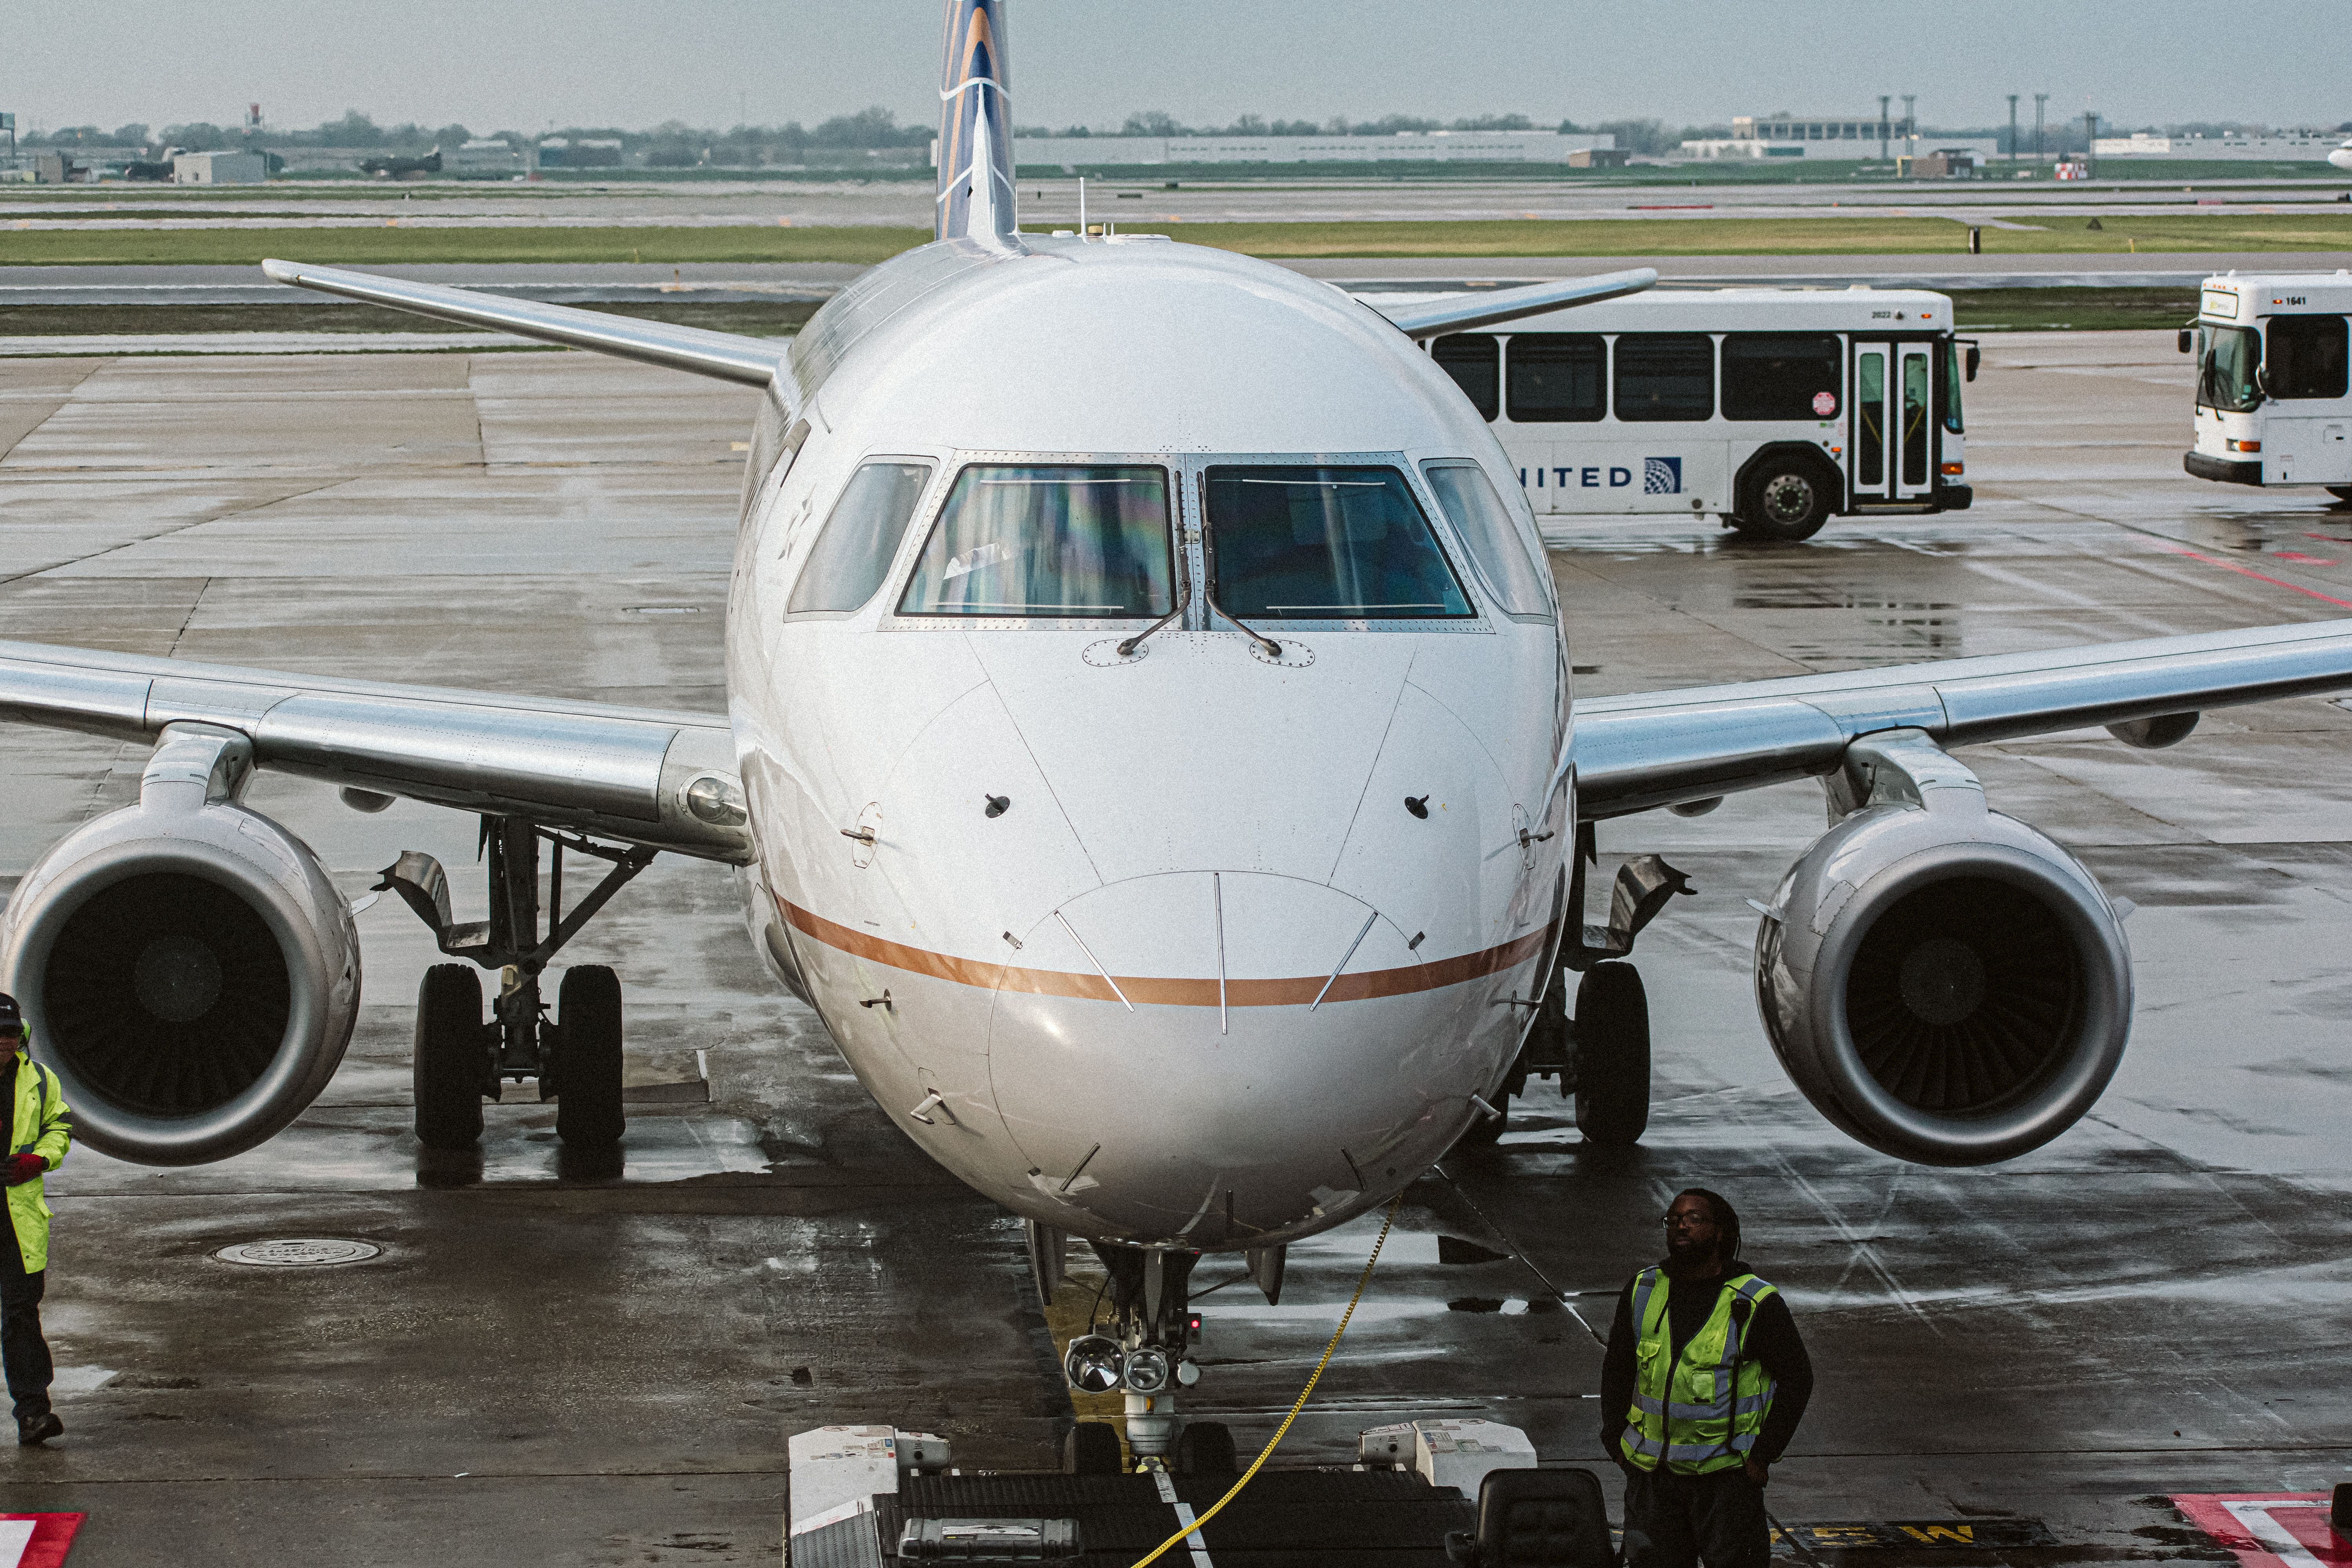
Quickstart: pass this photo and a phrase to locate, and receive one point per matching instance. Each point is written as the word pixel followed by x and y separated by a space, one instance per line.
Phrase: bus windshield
pixel 2225 377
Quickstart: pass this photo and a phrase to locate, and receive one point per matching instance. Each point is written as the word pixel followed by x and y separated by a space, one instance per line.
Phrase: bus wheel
pixel 1786 500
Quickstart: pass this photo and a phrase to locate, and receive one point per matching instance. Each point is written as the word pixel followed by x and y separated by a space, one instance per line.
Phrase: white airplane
pixel 2342 156
pixel 1149 750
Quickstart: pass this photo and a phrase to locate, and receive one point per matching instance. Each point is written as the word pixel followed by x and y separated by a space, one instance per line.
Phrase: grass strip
pixel 2076 309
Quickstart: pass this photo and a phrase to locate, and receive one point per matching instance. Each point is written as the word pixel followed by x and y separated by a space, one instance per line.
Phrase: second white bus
pixel 1774 409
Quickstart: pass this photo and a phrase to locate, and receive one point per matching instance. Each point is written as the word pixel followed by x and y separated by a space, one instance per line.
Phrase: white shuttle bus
pixel 2274 399
pixel 1773 408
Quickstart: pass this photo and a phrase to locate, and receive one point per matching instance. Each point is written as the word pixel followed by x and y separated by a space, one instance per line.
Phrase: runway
pixel 721 282
pixel 541 1367
pixel 1663 191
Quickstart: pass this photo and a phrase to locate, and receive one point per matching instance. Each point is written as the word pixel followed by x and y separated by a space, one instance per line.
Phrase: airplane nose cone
pixel 1213 1058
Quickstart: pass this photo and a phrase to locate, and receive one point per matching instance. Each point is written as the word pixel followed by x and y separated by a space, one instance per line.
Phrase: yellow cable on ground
pixel 1329 1351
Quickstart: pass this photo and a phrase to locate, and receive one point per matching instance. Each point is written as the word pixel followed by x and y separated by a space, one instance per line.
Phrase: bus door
pixel 1892 456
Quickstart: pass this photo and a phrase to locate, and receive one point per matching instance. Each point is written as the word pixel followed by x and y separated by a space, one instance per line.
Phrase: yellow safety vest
pixel 1685 1411
pixel 38 1123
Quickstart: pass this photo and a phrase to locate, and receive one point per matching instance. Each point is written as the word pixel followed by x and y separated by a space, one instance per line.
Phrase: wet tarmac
pixel 546 1365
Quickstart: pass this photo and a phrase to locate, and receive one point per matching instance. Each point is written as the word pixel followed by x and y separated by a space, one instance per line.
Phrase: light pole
pixel 1910 124
pixel 2089 144
pixel 2013 133
pixel 1884 100
pixel 2040 100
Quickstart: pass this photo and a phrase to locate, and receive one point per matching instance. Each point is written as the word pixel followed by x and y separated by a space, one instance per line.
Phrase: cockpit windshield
pixel 1314 543
pixel 1038 540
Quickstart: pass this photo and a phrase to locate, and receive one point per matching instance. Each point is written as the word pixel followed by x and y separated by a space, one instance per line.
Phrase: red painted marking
pixel 1675 208
pixel 2297 555
pixel 2329 538
pixel 53 1535
pixel 2257 576
pixel 2268 1530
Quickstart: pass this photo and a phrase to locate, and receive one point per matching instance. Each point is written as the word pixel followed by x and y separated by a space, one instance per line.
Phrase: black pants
pixel 23 1352
pixel 1677 1521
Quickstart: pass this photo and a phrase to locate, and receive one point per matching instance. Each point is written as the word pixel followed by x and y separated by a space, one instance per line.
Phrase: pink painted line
pixel 2307 560
pixel 2257 576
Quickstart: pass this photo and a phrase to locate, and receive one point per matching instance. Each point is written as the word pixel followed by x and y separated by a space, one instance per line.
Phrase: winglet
pixel 730 357
pixel 975 200
pixel 1466 313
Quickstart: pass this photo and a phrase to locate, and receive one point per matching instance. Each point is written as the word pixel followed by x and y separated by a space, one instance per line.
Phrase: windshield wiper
pixel 1267 645
pixel 1183 598
pixel 1272 648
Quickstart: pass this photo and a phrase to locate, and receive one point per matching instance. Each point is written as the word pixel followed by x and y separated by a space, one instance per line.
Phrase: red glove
pixel 26 1167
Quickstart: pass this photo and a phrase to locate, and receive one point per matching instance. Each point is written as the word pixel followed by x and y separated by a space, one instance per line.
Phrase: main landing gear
pixel 460 1058
pixel 1600 1055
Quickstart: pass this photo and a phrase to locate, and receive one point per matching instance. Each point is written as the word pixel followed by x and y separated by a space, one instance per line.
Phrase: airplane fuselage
pixel 1193 943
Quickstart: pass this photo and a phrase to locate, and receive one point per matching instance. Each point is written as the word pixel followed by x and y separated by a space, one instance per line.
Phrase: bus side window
pixel 1666 375
pixel 2306 357
pixel 1474 362
pixel 1781 376
pixel 1558 377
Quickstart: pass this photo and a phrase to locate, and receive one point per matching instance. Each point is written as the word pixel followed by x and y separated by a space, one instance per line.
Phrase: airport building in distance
pixel 1573 150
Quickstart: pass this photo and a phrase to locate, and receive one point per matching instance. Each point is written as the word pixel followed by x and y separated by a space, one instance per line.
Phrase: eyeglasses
pixel 1672 1220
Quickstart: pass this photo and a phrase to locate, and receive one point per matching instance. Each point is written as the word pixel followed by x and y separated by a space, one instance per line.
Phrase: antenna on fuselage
pixel 976 192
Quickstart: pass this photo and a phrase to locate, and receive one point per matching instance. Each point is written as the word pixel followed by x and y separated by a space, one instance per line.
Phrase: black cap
pixel 12 1018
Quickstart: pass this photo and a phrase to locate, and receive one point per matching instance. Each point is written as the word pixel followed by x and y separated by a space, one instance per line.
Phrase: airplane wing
pixel 639 776
pixel 1660 748
pixel 1468 312
pixel 756 361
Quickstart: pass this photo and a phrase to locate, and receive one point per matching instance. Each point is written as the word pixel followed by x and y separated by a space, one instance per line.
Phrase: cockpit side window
pixel 861 537
pixel 1470 503
pixel 1324 544
pixel 1037 539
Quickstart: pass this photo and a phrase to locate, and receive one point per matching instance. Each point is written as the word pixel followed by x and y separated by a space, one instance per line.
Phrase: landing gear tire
pixel 588 1058
pixel 1091 1448
pixel 451 1061
pixel 1206 1448
pixel 1612 1055
pixel 1786 500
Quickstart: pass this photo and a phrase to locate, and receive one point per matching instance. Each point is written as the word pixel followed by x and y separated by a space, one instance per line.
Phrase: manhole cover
pixel 307 1252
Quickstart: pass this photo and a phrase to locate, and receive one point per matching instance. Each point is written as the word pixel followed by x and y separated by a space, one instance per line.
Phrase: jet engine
pixel 1942 981
pixel 185 964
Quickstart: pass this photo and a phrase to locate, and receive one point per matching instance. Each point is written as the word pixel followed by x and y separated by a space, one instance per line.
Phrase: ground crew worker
pixel 40 1129
pixel 1703 1387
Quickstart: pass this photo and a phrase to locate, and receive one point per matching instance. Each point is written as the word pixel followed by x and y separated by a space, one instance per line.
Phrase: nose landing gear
pixel 1143 1355
pixel 460 1060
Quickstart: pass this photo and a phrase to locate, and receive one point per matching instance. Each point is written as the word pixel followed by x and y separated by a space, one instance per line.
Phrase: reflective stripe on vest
pixel 1676 1430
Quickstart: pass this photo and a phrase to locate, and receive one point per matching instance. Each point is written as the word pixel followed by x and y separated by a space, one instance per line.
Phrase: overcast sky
pixel 529 64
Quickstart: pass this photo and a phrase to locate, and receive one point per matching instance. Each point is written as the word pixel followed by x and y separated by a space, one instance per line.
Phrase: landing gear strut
pixel 462 1060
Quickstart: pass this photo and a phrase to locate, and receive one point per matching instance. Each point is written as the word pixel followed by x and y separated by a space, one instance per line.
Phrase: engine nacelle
pixel 1942 981
pixel 185 964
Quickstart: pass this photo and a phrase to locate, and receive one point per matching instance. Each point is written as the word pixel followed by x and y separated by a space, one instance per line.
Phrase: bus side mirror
pixel 2187 341
pixel 1976 357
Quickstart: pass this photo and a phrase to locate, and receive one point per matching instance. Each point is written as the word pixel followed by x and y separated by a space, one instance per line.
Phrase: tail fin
pixel 976 127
